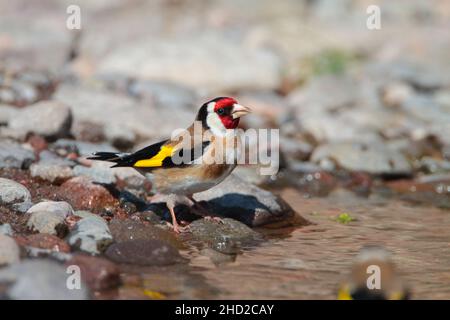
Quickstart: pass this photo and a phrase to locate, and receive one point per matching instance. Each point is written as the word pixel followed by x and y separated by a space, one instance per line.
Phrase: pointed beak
pixel 239 111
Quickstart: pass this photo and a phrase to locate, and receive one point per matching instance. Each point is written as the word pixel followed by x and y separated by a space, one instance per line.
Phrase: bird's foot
pixel 179 229
pixel 215 219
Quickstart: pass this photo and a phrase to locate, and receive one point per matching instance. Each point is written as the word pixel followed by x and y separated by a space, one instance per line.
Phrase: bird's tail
pixel 109 156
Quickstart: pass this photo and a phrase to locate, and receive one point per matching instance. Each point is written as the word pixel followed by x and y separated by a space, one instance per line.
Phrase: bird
pixel 191 161
pixel 371 262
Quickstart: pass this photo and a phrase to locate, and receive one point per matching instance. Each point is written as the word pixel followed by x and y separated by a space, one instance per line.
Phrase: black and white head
pixel 221 114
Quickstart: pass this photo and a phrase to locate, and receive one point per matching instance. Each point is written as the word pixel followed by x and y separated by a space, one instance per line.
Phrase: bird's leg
pixel 200 210
pixel 170 203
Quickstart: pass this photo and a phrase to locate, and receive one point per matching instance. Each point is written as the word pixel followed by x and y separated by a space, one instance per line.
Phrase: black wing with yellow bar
pixel 154 156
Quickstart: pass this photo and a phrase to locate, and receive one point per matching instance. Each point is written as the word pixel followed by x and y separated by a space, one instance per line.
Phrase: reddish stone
pixel 38 143
pixel 83 194
pixel 44 241
pixel 98 273
pixel 407 186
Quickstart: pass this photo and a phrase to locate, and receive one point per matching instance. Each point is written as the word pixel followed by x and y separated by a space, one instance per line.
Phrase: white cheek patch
pixel 215 124
pixel 211 107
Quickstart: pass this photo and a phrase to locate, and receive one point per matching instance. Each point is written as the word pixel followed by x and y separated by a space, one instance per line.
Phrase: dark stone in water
pixel 126 230
pixel 144 252
pixel 98 273
pixel 224 237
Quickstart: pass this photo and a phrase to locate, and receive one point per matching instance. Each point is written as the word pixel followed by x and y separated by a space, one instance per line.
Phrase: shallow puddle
pixel 310 262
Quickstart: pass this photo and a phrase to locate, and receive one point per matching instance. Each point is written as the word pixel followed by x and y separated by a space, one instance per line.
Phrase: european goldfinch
pixel 206 156
pixel 373 277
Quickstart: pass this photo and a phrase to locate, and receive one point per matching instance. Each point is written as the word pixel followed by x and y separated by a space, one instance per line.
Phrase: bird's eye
pixel 221 111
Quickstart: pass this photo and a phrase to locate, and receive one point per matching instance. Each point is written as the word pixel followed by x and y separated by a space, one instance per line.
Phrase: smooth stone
pixel 240 200
pixel 61 208
pixel 13 155
pixel 9 250
pixel 51 172
pixel 219 236
pixel 40 280
pixel 83 194
pixel 6 229
pixel 50 119
pixel 144 252
pixel 125 230
pixel 47 222
pixel 12 192
pixel 82 148
pixel 44 241
pixel 371 158
pixel 90 235
pixel 99 172
pixel 98 273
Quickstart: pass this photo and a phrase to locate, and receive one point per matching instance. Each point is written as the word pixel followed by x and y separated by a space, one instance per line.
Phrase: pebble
pixel 6 229
pixel 47 222
pixel 98 273
pixel 9 250
pixel 144 252
pixel 371 158
pixel 90 235
pixel 224 237
pixel 51 172
pixel 61 208
pixel 125 230
pixel 40 279
pixel 50 119
pixel 83 194
pixel 44 241
pixel 13 155
pixel 13 193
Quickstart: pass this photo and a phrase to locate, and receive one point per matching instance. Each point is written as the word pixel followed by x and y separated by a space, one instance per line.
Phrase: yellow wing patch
pixel 156 160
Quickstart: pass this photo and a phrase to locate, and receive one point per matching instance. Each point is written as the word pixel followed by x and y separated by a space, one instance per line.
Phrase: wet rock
pixel 370 158
pixel 44 241
pixel 83 194
pixel 226 236
pixel 237 199
pixel 98 273
pixel 173 61
pixel 13 155
pixel 6 229
pixel 90 235
pixel 13 193
pixel 51 172
pixel 144 252
pixel 218 258
pixel 125 230
pixel 9 250
pixel 39 280
pixel 51 119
